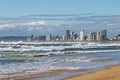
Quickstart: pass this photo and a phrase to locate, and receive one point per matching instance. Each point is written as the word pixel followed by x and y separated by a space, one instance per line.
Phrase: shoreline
pixel 113 70
pixel 40 75
pixel 110 73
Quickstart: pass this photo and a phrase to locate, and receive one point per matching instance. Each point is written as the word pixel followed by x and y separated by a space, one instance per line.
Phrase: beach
pixel 111 73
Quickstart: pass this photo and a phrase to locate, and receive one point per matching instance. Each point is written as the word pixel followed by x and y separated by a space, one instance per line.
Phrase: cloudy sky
pixel 42 17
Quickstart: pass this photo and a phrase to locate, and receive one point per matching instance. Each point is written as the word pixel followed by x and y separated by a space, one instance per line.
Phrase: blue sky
pixel 13 8
pixel 42 17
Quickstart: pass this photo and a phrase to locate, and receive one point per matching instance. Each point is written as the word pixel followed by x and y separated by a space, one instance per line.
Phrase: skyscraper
pixel 67 35
pixel 82 35
pixel 103 34
pixel 63 38
pixel 98 36
pixel 90 36
pixel 72 36
pixel 48 38
pixel 94 36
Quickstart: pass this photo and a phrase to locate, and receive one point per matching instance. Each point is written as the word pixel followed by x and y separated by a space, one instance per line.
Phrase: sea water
pixel 20 58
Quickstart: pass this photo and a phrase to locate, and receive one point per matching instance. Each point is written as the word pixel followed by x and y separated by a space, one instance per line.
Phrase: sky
pixel 42 17
pixel 13 8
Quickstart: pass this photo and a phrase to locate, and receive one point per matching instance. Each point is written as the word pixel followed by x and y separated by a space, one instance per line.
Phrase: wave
pixel 28 49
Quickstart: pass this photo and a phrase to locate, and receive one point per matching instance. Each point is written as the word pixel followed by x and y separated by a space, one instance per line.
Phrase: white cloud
pixel 30 28
pixel 3 26
pixel 111 24
pixel 27 24
pixel 59 24
pixel 35 23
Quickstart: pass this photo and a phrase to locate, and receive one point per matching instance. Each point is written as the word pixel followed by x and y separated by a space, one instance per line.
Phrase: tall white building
pixel 63 38
pixel 98 38
pixel 90 36
pixel 48 38
pixel 82 35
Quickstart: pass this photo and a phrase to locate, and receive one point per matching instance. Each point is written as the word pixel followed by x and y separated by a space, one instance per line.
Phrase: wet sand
pixel 111 73
pixel 44 74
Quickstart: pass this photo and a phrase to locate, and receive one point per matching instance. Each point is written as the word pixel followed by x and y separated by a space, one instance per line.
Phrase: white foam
pixel 51 48
pixel 49 64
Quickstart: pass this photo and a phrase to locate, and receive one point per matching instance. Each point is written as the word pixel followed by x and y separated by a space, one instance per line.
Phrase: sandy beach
pixel 111 73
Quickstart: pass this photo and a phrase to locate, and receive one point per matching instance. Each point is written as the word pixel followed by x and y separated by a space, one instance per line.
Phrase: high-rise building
pixel 103 34
pixel 63 38
pixel 48 38
pixel 90 36
pixel 118 37
pixel 72 36
pixel 82 35
pixel 94 36
pixel 98 36
pixel 67 35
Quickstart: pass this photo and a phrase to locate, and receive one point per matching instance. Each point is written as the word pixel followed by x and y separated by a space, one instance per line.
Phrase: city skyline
pixel 42 17
pixel 72 36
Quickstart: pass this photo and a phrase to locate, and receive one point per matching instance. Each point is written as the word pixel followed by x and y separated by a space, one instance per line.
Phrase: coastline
pixel 94 75
pixel 40 75
pixel 110 73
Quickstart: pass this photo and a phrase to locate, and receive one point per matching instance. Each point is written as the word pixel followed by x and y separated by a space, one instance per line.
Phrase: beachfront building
pixel 90 36
pixel 103 34
pixel 118 37
pixel 63 38
pixel 82 35
pixel 94 36
pixel 48 38
pixel 72 36
pixel 67 35
pixel 98 36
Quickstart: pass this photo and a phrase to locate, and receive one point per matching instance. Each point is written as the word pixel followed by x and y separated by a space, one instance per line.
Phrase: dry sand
pixel 112 73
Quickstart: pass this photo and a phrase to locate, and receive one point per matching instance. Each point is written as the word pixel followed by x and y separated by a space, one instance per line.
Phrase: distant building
pixel 36 38
pixel 42 38
pixel 118 37
pixel 67 35
pixel 30 38
pixel 58 38
pixel 48 38
pixel 103 34
pixel 72 36
pixel 98 36
pixel 90 36
pixel 63 38
pixel 82 35
pixel 76 37
pixel 94 36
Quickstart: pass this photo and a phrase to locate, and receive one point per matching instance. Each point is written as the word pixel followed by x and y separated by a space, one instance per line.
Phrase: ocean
pixel 20 58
